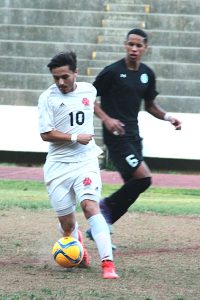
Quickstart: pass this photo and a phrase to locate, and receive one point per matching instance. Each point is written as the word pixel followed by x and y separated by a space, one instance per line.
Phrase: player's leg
pixel 60 192
pixel 127 157
pixel 69 227
pixel 101 236
pixel 59 183
pixel 88 190
pixel 117 204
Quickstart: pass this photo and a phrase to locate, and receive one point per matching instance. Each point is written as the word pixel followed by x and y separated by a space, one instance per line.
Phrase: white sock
pixel 101 235
pixel 60 229
pixel 75 231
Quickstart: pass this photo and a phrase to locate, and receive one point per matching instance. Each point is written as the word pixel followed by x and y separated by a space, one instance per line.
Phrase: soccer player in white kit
pixel 71 170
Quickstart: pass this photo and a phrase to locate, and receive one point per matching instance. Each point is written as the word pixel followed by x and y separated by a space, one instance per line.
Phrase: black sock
pixel 122 199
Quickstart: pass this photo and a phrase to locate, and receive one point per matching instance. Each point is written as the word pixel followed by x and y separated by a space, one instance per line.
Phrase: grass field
pixel 157 257
pixel 33 195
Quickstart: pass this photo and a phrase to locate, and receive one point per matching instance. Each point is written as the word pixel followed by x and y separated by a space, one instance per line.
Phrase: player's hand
pixel 114 126
pixel 84 139
pixel 176 123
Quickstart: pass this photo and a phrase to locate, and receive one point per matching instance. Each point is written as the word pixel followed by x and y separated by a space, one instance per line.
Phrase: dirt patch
pixel 157 258
pixel 109 177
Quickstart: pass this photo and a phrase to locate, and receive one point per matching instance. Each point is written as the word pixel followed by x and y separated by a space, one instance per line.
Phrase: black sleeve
pixel 103 81
pixel 151 91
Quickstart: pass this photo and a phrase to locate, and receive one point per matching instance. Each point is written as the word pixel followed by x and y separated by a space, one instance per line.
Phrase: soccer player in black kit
pixel 123 86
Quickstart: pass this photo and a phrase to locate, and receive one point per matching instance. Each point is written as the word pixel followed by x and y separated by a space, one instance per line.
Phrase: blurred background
pixel 33 31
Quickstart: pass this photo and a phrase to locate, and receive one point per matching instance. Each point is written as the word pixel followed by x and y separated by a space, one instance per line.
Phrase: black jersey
pixel 122 91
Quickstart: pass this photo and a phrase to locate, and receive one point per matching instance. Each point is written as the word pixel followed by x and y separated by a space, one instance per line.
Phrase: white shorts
pixel 69 183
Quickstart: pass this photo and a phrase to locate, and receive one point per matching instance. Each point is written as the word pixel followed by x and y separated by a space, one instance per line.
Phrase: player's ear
pixel 125 44
pixel 75 74
pixel 146 48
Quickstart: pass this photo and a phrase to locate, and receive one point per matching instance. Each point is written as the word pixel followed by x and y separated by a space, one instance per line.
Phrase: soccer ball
pixel 68 252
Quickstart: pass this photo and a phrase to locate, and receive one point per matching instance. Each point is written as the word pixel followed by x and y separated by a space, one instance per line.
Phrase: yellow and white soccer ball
pixel 68 252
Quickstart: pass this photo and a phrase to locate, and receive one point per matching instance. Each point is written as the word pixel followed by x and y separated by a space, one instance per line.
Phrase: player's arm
pixel 155 110
pixel 103 83
pixel 58 136
pixel 113 125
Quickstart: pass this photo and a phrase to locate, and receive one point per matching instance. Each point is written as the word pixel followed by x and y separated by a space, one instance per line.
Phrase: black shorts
pixel 125 153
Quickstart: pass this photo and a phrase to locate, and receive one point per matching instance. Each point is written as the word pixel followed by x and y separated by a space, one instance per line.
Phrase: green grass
pixel 33 195
pixel 23 194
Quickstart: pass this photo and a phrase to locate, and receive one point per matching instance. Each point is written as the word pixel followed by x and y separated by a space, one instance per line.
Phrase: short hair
pixel 63 59
pixel 139 32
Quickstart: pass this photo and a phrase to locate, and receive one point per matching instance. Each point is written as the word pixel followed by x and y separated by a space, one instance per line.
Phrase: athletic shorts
pixel 126 154
pixel 69 183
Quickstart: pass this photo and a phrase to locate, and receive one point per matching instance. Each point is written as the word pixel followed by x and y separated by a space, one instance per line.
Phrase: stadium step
pixel 27 16
pixel 33 31
pixel 158 53
pixel 166 70
pixel 53 5
pixel 34 81
pixel 156 38
pixel 174 103
pixel 104 35
pixel 142 8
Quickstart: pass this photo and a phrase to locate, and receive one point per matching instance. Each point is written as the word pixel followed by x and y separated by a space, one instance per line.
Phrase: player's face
pixel 64 79
pixel 135 47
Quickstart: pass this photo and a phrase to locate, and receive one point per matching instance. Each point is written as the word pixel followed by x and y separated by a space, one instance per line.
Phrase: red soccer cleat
pixel 85 263
pixel 108 269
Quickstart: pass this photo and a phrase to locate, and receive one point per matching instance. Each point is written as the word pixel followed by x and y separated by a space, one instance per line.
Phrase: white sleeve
pixel 46 122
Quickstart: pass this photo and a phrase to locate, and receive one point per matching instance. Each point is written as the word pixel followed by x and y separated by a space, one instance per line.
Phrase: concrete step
pixel 175 6
pixel 164 70
pixel 122 23
pixel 19 97
pixel 51 17
pixel 170 21
pixel 91 35
pixel 49 33
pixel 42 81
pixel 126 7
pixel 99 18
pixel 58 4
pixel 95 51
pixel 154 53
pixel 169 6
pixel 177 87
pixel 178 22
pixel 47 49
pixel 156 37
pixel 39 64
pixel 93 67
pixel 175 103
pixel 81 4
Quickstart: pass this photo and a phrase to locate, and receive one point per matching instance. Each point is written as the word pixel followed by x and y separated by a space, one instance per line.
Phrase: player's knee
pixel 139 185
pixel 90 208
pixel 145 183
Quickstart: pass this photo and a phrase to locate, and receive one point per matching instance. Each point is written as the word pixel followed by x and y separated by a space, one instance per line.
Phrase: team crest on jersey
pixel 144 78
pixel 123 75
pixel 86 101
pixel 87 181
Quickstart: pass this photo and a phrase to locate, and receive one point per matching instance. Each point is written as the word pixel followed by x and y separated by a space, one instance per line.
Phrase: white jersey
pixel 71 113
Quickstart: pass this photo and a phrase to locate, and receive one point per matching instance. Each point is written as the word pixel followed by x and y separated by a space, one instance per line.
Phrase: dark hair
pixel 63 59
pixel 139 32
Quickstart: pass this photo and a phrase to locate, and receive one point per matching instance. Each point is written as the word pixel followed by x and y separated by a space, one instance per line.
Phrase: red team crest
pixel 86 101
pixel 87 181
